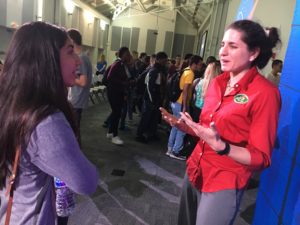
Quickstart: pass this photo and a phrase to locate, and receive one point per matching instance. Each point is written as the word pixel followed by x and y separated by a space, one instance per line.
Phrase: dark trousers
pixel 123 115
pixel 116 101
pixel 208 208
pixel 149 119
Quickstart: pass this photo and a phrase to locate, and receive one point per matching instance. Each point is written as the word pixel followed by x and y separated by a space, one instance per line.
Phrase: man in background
pixel 152 99
pixel 79 94
pixel 274 75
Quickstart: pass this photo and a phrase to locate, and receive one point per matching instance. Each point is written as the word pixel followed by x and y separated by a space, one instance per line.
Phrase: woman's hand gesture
pixel 208 134
pixel 169 118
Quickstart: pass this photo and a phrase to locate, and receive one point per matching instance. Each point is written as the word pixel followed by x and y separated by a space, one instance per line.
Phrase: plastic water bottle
pixel 65 203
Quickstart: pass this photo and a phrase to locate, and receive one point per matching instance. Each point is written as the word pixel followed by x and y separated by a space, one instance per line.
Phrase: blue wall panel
pixel 292 196
pixel 274 180
pixel 296 212
pixel 263 216
pixel 289 78
pixel 278 201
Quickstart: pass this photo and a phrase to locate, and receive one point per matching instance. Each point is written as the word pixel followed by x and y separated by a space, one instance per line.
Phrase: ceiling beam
pixel 141 5
pixel 205 20
pixel 185 17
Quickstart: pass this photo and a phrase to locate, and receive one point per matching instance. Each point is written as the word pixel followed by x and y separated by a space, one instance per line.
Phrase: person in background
pixel 200 87
pixel 274 75
pixel 117 87
pixel 146 64
pixel 178 62
pixel 37 119
pixel 142 63
pixel 152 59
pixel 79 93
pixel 101 65
pixel 152 100
pixel 128 105
pixel 140 85
pixel 210 59
pixel 135 55
pixel 186 61
pixel 236 130
pixel 175 142
pixel 172 68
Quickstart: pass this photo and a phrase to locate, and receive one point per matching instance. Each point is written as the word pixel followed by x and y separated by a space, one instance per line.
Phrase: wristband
pixel 225 151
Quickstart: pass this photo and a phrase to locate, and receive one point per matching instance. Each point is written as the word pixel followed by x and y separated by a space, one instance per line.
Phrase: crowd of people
pixel 226 106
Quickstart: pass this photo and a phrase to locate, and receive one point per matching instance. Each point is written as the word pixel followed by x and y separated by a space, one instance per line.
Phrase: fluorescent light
pixel 40 4
pixel 69 6
pixel 102 24
pixel 89 16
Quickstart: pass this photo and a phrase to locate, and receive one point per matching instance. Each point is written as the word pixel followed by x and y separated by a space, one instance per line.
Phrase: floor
pixel 138 184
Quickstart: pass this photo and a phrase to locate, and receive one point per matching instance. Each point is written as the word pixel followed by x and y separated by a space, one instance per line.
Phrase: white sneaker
pixel 117 140
pixel 109 135
pixel 168 153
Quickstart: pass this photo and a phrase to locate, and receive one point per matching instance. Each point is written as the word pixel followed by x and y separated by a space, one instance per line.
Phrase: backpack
pixel 173 86
pixel 104 80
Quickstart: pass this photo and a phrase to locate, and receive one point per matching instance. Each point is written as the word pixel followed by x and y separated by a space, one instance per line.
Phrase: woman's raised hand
pixel 208 134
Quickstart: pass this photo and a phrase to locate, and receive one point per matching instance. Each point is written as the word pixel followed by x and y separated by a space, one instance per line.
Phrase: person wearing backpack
pixel 152 99
pixel 175 142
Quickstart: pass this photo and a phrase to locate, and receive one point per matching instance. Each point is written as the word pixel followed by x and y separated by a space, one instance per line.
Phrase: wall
pixel 53 11
pixel 5 37
pixel 270 13
pixel 14 12
pixel 185 39
pixel 214 25
pixel 146 23
pixel 136 19
pixel 279 185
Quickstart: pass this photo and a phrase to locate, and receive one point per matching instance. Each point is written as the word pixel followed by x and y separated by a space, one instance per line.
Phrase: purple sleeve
pixel 54 149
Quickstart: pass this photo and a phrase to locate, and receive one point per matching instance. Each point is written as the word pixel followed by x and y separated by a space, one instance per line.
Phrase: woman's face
pixel 234 54
pixel 69 62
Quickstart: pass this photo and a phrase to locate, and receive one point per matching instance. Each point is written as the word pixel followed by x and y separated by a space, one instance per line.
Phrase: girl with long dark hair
pixel 36 117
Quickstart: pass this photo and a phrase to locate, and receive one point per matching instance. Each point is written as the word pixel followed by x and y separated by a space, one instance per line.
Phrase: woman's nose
pixel 223 50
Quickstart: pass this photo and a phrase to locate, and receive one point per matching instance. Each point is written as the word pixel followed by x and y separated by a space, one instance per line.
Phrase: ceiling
pixel 193 11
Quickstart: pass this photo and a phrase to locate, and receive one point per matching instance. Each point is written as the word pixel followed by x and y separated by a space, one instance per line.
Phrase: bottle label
pixel 58 183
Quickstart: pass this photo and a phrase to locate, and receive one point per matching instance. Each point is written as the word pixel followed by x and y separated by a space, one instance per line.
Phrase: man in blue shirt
pixel 79 94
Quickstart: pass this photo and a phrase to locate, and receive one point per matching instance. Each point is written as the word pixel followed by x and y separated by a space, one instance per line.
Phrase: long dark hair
pixel 256 37
pixel 31 87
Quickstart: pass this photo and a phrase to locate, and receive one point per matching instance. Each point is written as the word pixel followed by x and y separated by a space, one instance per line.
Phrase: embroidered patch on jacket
pixel 241 99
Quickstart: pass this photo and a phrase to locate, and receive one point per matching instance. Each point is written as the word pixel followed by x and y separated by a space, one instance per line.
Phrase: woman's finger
pixel 184 117
pixel 163 111
pixel 188 115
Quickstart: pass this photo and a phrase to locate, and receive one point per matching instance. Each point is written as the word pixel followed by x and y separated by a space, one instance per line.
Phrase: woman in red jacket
pixel 236 130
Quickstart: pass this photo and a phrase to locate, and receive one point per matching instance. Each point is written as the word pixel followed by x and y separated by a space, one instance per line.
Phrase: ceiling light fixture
pixel 69 6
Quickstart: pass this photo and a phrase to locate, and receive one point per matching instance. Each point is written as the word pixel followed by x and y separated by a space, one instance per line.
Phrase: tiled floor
pixel 149 190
